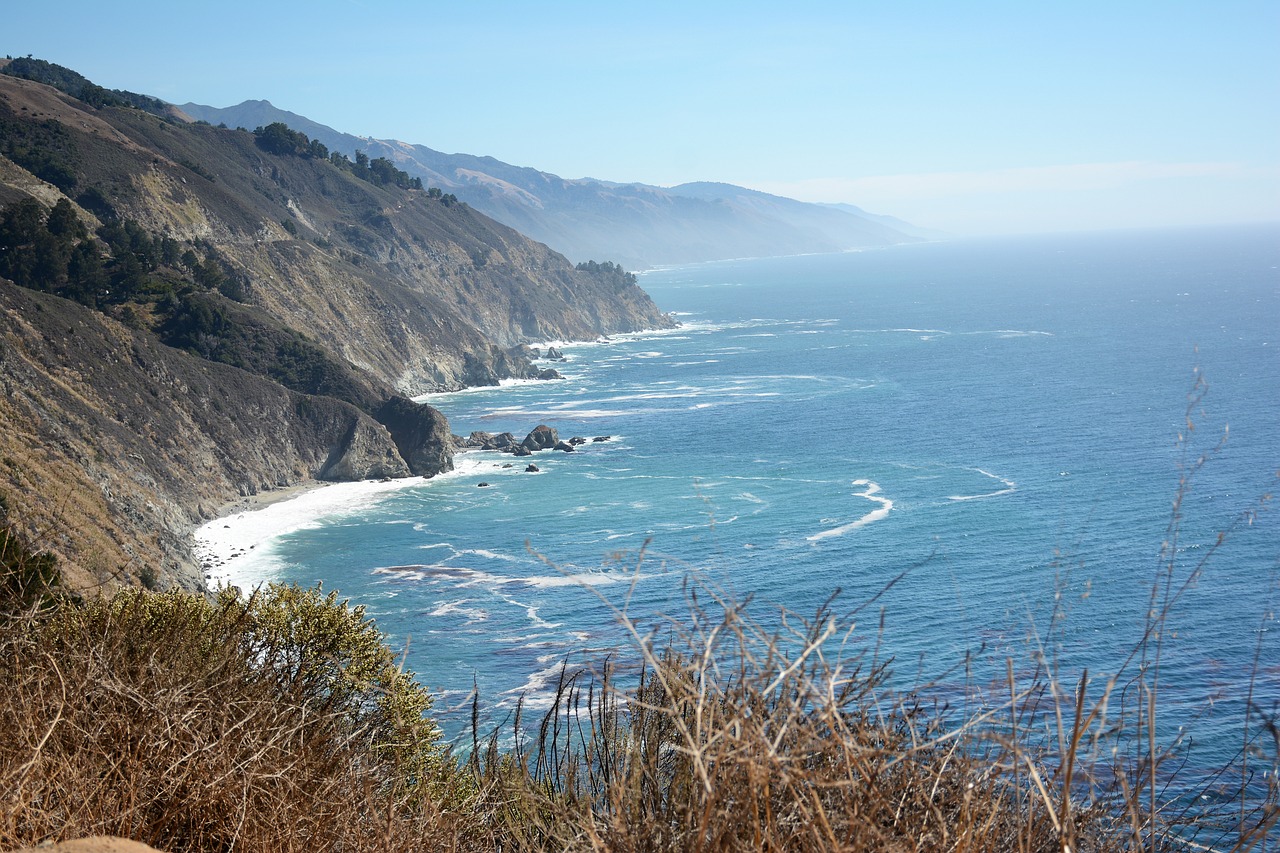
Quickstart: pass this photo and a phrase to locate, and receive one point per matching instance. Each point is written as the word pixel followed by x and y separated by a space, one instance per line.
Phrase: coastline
pixel 235 549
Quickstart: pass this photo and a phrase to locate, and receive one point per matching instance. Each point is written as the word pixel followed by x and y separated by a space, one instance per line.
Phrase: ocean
pixel 961 436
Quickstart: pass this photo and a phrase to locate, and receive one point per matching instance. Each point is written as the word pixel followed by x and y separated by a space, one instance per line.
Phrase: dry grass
pixel 149 717
pixel 732 738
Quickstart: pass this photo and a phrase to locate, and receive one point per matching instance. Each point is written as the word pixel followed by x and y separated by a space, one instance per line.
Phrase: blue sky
pixel 982 117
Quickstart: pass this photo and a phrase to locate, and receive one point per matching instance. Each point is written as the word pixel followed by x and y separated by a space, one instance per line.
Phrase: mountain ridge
pixel 639 224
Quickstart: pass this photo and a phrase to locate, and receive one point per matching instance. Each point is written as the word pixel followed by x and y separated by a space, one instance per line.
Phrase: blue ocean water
pixel 1001 418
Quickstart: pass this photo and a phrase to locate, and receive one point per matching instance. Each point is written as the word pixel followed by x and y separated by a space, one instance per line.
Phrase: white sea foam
pixel 534 693
pixel 1012 333
pixel 238 547
pixel 489 555
pixel 433 396
pixel 1009 488
pixel 583 579
pixel 870 491
pixel 448 608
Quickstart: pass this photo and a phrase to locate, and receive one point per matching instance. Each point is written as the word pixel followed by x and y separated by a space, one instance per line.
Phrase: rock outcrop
pixel 541 437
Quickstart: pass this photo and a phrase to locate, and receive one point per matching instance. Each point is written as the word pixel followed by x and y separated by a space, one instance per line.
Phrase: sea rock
pixel 531 469
pixel 521 450
pixel 577 440
pixel 549 373
pixel 478 439
pixel 541 437
pixel 565 446
pixel 367 453
pixel 481 485
pixel 554 354
pixel 421 434
pixel 600 438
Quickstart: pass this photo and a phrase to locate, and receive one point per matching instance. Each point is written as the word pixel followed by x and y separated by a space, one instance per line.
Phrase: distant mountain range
pixel 637 225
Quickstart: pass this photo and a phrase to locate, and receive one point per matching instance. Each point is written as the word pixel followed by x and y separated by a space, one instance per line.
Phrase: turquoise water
pixel 1002 418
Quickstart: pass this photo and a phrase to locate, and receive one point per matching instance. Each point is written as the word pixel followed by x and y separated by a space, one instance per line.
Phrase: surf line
pixel 1009 488
pixel 870 491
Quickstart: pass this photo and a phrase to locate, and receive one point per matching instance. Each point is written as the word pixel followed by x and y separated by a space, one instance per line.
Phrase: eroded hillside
pixel 228 311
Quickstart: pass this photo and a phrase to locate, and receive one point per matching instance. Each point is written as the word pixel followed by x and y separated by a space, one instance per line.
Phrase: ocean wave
pixel 587 579
pixel 870 491
pixel 448 608
pixel 1009 488
pixel 252 533
pixel 1012 333
pixel 488 555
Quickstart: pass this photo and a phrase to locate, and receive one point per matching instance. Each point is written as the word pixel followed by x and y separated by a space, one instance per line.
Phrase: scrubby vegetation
pixel 80 87
pixel 610 272
pixel 281 721
pixel 276 722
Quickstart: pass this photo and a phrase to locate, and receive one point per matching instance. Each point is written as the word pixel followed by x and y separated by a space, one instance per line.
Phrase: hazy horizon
pixel 1002 119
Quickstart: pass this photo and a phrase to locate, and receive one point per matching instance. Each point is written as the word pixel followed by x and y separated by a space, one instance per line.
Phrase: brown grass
pixel 149 717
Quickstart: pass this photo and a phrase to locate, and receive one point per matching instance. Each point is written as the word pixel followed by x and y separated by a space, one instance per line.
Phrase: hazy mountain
pixel 892 222
pixel 637 224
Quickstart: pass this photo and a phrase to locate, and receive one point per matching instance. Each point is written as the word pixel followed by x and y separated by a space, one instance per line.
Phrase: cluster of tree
pixel 447 199
pixel 125 265
pixel 609 271
pixel 218 330
pixel 279 138
pixel 44 148
pixel 379 171
pixel 80 87
pixel 55 253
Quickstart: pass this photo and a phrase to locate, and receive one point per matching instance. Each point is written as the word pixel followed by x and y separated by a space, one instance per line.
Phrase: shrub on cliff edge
pixel 277 722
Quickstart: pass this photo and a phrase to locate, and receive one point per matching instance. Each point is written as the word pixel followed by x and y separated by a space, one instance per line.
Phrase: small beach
pixel 234 549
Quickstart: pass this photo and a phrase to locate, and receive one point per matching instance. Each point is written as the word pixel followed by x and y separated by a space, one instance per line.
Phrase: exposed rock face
pixel 421 434
pixel 115 445
pixel 368 453
pixel 541 437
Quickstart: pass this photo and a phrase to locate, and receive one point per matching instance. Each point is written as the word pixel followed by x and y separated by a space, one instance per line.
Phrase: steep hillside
pixel 226 312
pixel 114 445
pixel 637 224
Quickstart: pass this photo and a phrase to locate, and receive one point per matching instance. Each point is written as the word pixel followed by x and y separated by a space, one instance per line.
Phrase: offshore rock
pixel 541 437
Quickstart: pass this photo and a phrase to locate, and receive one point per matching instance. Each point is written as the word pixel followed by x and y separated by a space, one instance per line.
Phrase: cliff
pixel 115 445
pixel 223 313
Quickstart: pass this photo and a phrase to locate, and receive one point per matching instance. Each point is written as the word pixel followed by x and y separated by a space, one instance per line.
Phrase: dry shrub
pixel 734 737
pixel 196 726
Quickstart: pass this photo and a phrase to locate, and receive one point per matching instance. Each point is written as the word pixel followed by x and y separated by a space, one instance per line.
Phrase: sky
pixel 969 117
